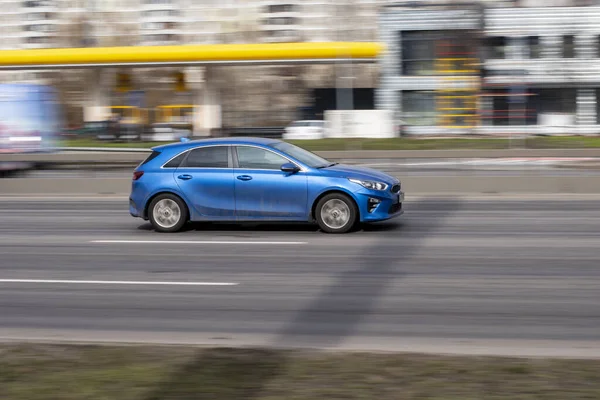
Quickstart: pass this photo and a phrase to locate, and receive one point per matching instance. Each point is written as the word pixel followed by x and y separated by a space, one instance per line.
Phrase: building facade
pixel 54 23
pixel 473 69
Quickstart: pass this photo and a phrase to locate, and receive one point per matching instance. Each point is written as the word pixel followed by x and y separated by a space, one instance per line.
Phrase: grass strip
pixel 60 372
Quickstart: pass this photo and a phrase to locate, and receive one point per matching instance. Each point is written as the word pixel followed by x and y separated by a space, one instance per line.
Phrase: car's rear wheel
pixel 168 213
pixel 336 213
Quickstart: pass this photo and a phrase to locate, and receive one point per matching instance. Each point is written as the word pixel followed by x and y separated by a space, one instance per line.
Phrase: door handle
pixel 244 178
pixel 185 177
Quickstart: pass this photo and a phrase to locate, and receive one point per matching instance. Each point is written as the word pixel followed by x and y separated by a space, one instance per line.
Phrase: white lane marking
pixel 148 283
pixel 51 213
pixel 193 242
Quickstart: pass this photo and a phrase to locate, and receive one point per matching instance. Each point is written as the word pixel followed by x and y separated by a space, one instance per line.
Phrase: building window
pixel 37 16
pixel 38 40
pixel 281 21
pixel 40 28
pixel 557 101
pixel 283 34
pixel 418 52
pixel 39 3
pixel 496 48
pixel 511 105
pixel 597 94
pixel 569 46
pixel 533 47
pixel 159 25
pixel 160 13
pixel 279 8
pixel 456 108
pixel 418 107
pixel 437 52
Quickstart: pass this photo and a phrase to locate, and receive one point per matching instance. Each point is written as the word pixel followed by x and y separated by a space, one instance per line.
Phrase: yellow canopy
pixel 270 53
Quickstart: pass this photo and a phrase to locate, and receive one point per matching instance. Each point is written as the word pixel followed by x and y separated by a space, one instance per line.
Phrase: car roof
pixel 214 141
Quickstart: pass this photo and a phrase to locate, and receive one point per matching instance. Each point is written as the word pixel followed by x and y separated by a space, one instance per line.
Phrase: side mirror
pixel 290 168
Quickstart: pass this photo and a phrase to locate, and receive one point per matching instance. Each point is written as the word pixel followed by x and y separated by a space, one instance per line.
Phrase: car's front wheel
pixel 168 213
pixel 336 213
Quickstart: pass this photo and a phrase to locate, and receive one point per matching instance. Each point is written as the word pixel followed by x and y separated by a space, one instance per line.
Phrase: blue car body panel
pixel 209 193
pixel 270 195
pixel 246 194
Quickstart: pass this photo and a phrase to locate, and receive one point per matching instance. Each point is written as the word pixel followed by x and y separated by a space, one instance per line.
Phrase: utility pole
pixel 344 92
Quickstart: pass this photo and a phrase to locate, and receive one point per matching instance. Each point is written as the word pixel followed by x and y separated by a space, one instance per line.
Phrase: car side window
pixel 207 157
pixel 176 162
pixel 256 158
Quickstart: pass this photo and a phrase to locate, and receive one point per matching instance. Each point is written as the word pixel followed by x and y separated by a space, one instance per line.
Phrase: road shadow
pixel 234 227
pixel 273 227
pixel 251 226
pixel 223 374
pixel 338 310
pixel 332 317
pixel 385 226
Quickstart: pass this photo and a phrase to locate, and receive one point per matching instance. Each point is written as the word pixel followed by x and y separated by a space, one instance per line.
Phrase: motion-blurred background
pixel 487 111
pixel 445 68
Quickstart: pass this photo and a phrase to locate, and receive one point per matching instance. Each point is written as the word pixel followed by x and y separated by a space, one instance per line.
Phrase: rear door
pixel 205 177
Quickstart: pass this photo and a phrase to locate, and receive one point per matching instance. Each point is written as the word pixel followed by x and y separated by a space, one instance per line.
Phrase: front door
pixel 206 181
pixel 264 191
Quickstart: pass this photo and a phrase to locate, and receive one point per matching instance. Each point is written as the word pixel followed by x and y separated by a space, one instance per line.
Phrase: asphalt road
pixel 452 272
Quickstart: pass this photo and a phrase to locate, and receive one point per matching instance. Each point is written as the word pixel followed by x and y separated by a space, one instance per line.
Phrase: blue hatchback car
pixel 255 179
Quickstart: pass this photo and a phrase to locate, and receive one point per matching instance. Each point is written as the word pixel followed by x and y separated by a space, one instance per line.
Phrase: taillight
pixel 137 175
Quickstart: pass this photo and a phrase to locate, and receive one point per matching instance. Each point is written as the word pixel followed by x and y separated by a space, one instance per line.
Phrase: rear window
pixel 176 162
pixel 150 157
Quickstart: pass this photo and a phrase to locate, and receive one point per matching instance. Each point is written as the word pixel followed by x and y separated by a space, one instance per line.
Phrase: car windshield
pixel 304 156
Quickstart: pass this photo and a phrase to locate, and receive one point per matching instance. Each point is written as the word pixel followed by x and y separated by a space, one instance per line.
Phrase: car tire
pixel 336 213
pixel 168 213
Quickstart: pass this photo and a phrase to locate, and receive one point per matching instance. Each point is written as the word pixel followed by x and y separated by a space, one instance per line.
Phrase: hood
pixel 351 171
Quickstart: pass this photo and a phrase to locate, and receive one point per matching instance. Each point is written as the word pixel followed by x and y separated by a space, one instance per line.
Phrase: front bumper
pixel 379 206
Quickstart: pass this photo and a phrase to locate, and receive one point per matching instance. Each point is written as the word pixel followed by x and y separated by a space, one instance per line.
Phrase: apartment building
pixel 471 68
pixel 10 24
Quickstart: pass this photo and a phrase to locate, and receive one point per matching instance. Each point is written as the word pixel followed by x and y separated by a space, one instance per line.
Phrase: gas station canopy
pixel 214 54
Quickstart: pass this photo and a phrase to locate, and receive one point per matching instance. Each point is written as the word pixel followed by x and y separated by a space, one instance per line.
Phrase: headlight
pixel 373 185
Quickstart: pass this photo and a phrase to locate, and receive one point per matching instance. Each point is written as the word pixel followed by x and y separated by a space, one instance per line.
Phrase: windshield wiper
pixel 327 165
